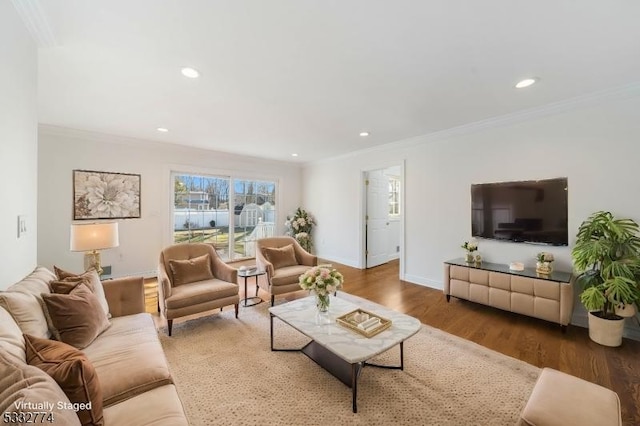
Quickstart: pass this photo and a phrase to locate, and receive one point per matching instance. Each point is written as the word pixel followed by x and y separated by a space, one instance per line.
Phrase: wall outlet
pixel 397 249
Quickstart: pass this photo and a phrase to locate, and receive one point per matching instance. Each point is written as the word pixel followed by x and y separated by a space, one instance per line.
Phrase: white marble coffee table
pixel 337 349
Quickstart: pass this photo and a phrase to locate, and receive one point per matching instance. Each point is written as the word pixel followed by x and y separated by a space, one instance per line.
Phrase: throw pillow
pixel 280 257
pixel 75 318
pixel 73 372
pixel 20 382
pixel 191 270
pixel 65 286
pixel 93 282
pixel 26 310
pixel 11 336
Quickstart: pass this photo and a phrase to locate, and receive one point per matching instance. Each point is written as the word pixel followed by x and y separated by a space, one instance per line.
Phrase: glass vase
pixel 323 302
pixel 543 268
pixel 469 258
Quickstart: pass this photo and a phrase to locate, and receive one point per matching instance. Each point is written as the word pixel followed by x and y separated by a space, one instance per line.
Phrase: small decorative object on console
pixel 543 265
pixel 478 259
pixel 516 266
pixel 470 247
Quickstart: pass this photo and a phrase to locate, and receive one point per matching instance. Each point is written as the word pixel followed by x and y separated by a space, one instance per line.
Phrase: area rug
pixel 226 374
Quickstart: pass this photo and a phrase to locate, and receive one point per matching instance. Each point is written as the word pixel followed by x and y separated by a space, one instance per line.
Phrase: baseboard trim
pixel 426 282
pixel 347 262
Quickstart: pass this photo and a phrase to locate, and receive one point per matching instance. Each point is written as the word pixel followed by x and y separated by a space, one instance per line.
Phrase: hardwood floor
pixel 531 340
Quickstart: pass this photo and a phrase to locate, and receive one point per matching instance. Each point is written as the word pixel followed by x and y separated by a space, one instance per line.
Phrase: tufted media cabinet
pixel 525 292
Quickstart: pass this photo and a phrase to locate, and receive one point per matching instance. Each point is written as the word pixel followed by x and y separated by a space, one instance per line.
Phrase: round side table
pixel 247 274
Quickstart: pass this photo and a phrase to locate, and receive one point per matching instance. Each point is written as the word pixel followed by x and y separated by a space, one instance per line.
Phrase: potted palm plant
pixel 607 259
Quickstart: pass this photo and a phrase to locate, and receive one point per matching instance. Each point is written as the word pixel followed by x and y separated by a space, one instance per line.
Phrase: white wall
pixel 63 150
pixel 596 146
pixel 18 146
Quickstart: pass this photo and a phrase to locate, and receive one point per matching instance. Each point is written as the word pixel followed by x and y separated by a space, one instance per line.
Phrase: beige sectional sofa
pixel 134 377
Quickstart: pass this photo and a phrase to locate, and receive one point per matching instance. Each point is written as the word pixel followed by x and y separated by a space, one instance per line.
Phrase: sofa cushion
pixel 75 318
pixel 191 270
pixel 280 257
pixel 23 384
pixel 200 292
pixel 11 336
pixel 128 358
pixel 288 275
pixel 93 282
pixel 26 311
pixel 73 372
pixel 156 407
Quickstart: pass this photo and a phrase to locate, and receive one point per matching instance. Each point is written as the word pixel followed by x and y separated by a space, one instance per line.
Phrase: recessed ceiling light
pixel 190 72
pixel 294 155
pixel 162 129
pixel 364 134
pixel 526 83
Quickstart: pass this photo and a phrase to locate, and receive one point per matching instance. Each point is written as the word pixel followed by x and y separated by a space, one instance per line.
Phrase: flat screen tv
pixel 532 211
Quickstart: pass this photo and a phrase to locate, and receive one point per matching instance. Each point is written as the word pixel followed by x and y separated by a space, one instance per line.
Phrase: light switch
pixel 22 225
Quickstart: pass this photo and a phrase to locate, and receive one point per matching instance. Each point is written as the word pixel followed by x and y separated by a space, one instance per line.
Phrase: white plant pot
pixel 604 331
pixel 626 311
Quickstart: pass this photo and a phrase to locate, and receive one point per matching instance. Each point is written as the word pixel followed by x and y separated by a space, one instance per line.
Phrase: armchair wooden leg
pixel 169 325
pixel 273 299
pixel 236 305
pixel 256 290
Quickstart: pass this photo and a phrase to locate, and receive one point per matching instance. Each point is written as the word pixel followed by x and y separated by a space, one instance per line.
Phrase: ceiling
pixel 306 76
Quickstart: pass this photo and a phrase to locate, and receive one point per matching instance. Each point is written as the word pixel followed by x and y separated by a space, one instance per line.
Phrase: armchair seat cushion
pixel 288 275
pixel 200 292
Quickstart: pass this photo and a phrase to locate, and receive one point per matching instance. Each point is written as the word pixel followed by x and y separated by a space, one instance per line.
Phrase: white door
pixel 377 218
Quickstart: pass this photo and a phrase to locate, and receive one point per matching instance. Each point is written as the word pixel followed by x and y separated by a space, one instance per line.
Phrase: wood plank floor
pixel 534 341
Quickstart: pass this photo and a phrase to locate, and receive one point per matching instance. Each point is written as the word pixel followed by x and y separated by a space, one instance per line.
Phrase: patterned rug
pixel 226 375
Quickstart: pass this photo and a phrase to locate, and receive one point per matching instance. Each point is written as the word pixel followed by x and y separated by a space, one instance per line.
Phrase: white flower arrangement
pixel 299 226
pixel 544 256
pixel 322 279
pixel 470 246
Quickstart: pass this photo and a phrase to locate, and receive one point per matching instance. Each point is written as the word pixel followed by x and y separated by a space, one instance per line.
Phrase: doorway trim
pixel 363 211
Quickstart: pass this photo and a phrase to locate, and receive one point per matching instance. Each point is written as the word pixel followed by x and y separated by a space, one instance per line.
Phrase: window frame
pixel 232 176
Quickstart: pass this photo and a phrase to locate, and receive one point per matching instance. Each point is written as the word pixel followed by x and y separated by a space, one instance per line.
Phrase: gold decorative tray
pixel 352 319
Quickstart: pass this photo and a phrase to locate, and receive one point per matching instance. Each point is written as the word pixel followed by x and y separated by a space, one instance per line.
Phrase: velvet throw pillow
pixel 73 372
pixel 191 270
pixel 280 257
pixel 75 318
pixel 92 280
pixel 65 286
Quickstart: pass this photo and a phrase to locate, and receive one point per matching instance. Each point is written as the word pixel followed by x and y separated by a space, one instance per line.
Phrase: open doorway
pixel 383 220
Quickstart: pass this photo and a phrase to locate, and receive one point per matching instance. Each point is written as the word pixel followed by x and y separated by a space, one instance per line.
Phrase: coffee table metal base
pixel 345 372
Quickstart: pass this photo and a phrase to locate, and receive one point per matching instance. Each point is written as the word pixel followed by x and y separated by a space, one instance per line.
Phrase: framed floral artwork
pixel 105 195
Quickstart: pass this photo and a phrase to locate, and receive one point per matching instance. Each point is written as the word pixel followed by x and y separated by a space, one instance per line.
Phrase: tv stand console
pixel 525 292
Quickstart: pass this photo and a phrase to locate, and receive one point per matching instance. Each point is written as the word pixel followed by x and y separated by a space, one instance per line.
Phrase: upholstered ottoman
pixel 562 399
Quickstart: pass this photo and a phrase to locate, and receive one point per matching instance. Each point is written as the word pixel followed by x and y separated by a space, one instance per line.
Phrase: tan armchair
pixel 284 260
pixel 192 279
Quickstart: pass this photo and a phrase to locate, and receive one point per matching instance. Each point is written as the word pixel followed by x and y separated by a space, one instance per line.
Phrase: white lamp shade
pixel 94 236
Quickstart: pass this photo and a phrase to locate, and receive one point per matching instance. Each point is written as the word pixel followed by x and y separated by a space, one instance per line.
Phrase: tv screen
pixel 529 211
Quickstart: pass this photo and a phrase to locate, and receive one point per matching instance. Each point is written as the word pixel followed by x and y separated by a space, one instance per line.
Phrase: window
pixel 226 212
pixel 394 196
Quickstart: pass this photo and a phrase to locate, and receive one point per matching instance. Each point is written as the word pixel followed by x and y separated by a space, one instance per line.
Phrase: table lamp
pixel 90 238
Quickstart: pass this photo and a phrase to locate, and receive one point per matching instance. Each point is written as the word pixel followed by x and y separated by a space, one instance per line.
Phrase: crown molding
pixel 36 21
pixel 84 135
pixel 583 101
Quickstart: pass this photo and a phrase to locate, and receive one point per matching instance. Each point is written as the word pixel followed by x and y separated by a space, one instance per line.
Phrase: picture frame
pixel 105 195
